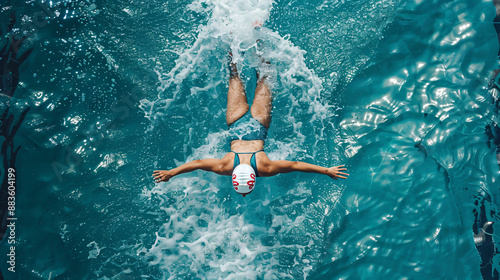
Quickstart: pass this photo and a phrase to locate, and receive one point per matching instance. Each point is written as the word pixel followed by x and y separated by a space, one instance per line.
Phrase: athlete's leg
pixel 262 102
pixel 237 104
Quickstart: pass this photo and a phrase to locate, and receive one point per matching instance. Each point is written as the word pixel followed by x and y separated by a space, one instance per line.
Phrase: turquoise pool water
pixel 396 90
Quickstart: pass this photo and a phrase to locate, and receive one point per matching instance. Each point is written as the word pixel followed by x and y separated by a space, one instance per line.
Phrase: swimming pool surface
pixel 112 90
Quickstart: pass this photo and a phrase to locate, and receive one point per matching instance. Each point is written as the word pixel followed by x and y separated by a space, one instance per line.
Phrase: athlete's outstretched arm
pixel 218 166
pixel 284 166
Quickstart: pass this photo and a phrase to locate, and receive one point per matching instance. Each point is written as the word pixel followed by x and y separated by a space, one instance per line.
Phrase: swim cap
pixel 243 179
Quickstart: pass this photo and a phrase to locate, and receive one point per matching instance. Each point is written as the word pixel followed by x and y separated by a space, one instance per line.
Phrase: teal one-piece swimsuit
pixel 247 128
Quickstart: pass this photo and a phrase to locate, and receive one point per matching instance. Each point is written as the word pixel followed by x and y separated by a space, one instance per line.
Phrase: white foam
pixel 95 250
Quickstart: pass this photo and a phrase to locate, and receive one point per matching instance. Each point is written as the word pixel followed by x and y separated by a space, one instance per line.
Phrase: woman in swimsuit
pixel 248 131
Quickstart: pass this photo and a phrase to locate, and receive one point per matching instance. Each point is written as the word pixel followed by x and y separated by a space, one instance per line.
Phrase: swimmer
pixel 248 131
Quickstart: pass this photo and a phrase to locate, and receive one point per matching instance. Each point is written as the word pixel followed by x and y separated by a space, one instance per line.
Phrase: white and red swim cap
pixel 243 179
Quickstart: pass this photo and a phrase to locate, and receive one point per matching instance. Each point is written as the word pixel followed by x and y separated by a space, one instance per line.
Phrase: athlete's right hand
pixel 162 175
pixel 336 172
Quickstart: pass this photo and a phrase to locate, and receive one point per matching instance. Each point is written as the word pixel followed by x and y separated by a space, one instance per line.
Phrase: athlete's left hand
pixel 162 175
pixel 335 172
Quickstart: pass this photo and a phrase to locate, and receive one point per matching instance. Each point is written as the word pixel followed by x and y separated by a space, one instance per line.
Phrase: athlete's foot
pixel 264 68
pixel 259 46
pixel 233 71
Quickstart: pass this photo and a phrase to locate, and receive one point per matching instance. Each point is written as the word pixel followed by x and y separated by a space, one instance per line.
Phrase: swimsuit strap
pixel 236 161
pixel 253 164
pixel 253 161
